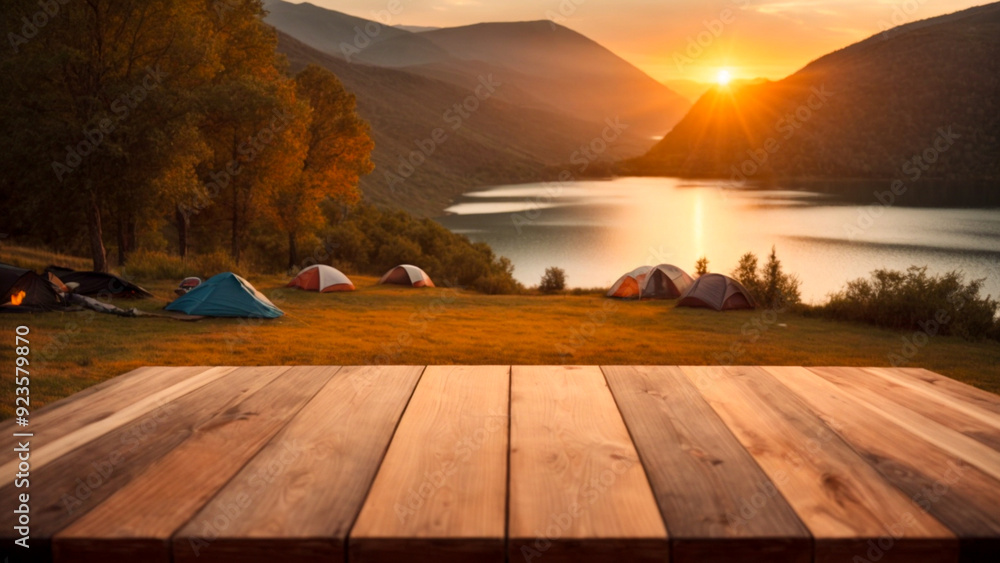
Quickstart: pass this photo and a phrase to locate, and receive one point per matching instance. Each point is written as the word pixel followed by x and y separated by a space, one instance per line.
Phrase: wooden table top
pixel 499 463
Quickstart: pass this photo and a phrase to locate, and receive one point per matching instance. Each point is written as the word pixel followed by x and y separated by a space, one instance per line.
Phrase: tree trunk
pixel 293 251
pixel 235 248
pixel 182 231
pixel 122 240
pixel 131 237
pixel 96 232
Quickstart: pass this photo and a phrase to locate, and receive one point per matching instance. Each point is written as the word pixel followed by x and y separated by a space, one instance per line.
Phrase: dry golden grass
pixel 396 325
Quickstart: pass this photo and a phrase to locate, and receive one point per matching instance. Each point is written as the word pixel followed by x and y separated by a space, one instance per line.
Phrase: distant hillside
pixel 497 143
pixel 874 106
pixel 541 65
pixel 565 71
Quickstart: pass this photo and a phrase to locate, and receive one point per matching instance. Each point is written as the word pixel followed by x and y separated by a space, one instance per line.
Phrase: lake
pixel 598 230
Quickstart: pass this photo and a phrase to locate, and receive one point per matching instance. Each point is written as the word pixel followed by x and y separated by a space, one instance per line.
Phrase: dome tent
pixel 322 278
pixel 630 284
pixel 406 274
pixel 23 290
pixel 99 284
pixel 719 292
pixel 665 281
pixel 226 295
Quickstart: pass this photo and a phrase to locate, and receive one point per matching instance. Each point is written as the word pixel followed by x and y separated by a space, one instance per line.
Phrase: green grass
pixel 393 325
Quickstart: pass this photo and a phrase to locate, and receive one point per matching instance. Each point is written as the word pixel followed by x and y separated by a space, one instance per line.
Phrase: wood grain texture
pixel 717 503
pixel 440 494
pixel 957 494
pixel 974 418
pixel 78 422
pixel 918 416
pixel 83 478
pixel 843 501
pixel 296 500
pixel 161 500
pixel 135 383
pixel 574 473
pixel 929 380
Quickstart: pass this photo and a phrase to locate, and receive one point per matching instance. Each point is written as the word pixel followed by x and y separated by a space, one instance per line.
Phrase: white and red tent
pixel 407 274
pixel 629 286
pixel 322 278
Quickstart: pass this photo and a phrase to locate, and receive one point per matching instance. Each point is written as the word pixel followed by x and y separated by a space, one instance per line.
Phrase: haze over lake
pixel 598 230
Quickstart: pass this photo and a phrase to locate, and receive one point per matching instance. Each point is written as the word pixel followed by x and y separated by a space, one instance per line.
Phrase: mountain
pixel 546 93
pixel 920 101
pixel 413 119
pixel 541 65
pixel 563 70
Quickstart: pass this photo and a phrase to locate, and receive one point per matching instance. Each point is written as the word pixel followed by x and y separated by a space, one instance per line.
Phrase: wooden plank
pixel 577 490
pixel 441 492
pixel 947 386
pixel 100 400
pixel 843 500
pixel 70 486
pixel 960 496
pixel 717 503
pixel 103 412
pixel 296 500
pixel 922 417
pixel 143 515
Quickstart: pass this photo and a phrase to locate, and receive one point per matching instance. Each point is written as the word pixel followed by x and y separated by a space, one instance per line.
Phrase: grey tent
pixel 719 292
pixel 665 281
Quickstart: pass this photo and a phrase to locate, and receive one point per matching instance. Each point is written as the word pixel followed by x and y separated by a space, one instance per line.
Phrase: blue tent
pixel 226 295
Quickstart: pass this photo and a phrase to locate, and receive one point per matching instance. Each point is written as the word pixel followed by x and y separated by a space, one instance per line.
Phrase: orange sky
pixel 762 38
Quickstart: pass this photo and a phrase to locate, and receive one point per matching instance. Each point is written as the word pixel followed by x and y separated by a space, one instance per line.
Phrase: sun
pixel 723 77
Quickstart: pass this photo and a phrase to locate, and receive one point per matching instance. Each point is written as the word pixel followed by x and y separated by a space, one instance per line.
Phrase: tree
pixel 701 266
pixel 337 154
pixel 553 280
pixel 770 286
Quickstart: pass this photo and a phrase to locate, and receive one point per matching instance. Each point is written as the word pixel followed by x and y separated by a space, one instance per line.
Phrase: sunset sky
pixel 763 38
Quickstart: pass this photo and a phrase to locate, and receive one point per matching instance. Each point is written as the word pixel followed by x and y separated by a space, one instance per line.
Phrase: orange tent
pixel 322 278
pixel 630 285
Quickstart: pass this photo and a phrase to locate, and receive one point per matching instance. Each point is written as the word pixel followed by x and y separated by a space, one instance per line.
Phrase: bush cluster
pixel 907 300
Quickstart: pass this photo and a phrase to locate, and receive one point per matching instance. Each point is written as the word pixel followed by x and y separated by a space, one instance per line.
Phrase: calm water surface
pixel 597 230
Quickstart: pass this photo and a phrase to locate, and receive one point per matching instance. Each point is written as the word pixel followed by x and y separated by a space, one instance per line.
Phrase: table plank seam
pixel 364 499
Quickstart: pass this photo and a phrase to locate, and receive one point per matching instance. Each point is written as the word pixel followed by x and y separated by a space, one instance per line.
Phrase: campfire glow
pixel 17 298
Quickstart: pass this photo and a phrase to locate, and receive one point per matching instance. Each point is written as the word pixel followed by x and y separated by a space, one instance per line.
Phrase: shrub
pixel 553 280
pixel 154 265
pixel 207 265
pixel 913 300
pixel 771 287
pixel 701 267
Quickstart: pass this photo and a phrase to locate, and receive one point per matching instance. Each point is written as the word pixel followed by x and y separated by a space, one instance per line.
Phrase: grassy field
pixel 395 325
